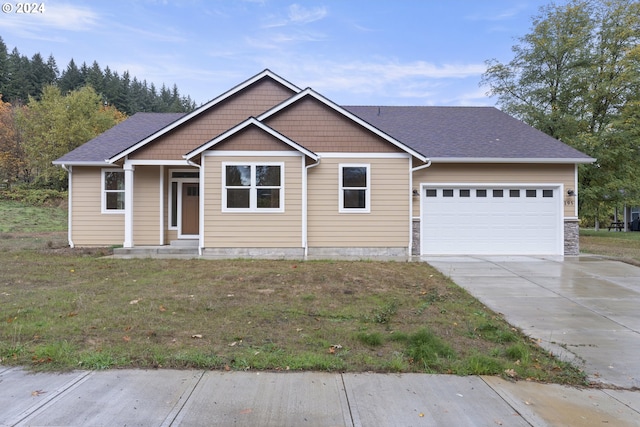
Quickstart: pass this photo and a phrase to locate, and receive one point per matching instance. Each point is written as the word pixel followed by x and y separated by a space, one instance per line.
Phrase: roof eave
pixel 249 122
pixel 80 163
pixel 555 160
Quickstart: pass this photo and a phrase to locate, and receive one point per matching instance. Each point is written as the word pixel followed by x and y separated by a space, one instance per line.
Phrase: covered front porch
pixel 162 208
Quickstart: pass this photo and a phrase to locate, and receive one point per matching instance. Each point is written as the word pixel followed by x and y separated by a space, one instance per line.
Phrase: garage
pixel 491 219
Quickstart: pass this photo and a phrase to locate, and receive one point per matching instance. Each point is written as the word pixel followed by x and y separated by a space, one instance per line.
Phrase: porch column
pixel 128 205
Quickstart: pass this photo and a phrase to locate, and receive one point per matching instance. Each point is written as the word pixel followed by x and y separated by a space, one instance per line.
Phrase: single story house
pixel 268 169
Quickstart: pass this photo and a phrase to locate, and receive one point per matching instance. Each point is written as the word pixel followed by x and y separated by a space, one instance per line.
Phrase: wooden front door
pixel 190 208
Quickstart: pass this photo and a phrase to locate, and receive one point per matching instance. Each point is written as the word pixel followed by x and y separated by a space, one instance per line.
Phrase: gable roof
pixel 118 138
pixel 252 121
pixel 471 134
pixel 308 92
pixel 265 74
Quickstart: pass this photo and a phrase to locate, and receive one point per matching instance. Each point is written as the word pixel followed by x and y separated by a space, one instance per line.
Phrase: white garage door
pixel 491 220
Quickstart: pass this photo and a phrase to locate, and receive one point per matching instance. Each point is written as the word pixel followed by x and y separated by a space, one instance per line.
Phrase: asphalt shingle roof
pixel 435 132
pixel 119 138
pixel 465 132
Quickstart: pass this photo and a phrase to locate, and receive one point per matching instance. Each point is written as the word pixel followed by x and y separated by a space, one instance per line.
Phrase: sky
pixel 354 52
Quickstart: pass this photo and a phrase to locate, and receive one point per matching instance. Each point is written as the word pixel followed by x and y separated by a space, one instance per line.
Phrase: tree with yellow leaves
pixel 58 123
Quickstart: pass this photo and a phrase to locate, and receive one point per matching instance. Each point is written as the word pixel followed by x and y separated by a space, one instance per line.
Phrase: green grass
pixel 20 218
pixel 65 309
pixel 620 245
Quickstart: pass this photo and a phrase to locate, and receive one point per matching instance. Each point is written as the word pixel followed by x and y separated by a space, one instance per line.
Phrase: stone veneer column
pixel 571 237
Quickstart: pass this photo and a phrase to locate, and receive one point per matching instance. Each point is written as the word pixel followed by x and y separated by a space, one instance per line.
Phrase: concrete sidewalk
pixel 209 398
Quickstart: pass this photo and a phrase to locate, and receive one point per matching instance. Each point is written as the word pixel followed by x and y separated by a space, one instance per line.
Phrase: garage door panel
pixel 521 222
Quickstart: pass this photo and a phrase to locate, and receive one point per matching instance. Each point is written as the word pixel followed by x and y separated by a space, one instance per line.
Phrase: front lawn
pixel 65 309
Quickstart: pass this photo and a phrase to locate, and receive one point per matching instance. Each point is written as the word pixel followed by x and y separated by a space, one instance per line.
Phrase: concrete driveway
pixel 584 309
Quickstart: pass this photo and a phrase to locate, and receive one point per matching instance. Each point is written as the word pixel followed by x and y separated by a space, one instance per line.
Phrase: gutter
pixel 305 191
pixel 426 165
pixel 70 210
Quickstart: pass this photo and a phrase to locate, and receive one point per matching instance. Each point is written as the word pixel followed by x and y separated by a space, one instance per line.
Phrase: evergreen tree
pixel 71 78
pixel 4 69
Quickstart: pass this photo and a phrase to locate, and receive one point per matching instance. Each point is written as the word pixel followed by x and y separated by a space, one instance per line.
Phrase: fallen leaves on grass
pixel 333 348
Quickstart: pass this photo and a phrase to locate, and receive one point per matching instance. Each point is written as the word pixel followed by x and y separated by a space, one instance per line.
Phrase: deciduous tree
pixel 576 77
pixel 58 123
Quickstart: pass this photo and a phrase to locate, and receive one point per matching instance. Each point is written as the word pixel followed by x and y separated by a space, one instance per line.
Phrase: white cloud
pixel 301 15
pixel 56 16
pixel 296 14
pixel 390 80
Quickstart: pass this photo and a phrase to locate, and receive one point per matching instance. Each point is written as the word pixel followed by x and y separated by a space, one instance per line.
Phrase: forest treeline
pixel 44 113
pixel 22 77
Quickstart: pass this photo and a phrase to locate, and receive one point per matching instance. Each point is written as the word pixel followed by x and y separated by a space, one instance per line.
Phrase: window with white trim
pixel 112 191
pixel 253 187
pixel 355 188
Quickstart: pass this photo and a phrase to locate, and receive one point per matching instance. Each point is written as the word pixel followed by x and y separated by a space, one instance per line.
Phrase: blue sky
pixel 371 52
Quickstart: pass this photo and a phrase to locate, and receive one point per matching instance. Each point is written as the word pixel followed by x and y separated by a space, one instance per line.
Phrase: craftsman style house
pixel 271 170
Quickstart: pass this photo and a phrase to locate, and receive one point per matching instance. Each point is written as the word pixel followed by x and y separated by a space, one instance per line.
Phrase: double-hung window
pixel 355 188
pixel 253 187
pixel 112 191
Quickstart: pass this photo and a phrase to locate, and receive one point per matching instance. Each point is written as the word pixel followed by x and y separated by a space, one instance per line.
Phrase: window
pixel 547 193
pixel 447 192
pixel 112 191
pixel 514 193
pixel 354 188
pixel 481 193
pixel 432 192
pixel 532 193
pixel 498 193
pixel 253 187
pixel 465 193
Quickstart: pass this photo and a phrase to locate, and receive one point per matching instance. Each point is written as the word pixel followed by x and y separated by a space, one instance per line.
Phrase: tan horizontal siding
pixel 146 205
pixel 388 223
pixel 322 129
pixel 252 101
pixel 257 230
pixel 90 227
pixel 497 173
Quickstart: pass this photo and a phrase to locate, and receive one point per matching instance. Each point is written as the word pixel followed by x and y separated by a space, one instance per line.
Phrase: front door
pixel 190 208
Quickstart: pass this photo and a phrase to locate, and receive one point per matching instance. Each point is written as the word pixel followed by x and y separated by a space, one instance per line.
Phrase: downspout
pixel 413 170
pixel 305 240
pixel 201 208
pixel 69 209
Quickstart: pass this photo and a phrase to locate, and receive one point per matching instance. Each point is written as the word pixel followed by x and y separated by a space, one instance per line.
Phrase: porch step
pixel 157 252
pixel 190 243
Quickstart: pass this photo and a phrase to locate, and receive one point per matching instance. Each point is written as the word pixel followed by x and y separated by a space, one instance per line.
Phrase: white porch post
pixel 128 204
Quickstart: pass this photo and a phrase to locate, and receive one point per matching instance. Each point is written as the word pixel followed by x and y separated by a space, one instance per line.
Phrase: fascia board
pixel 81 163
pixel 203 108
pixel 510 160
pixel 250 121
